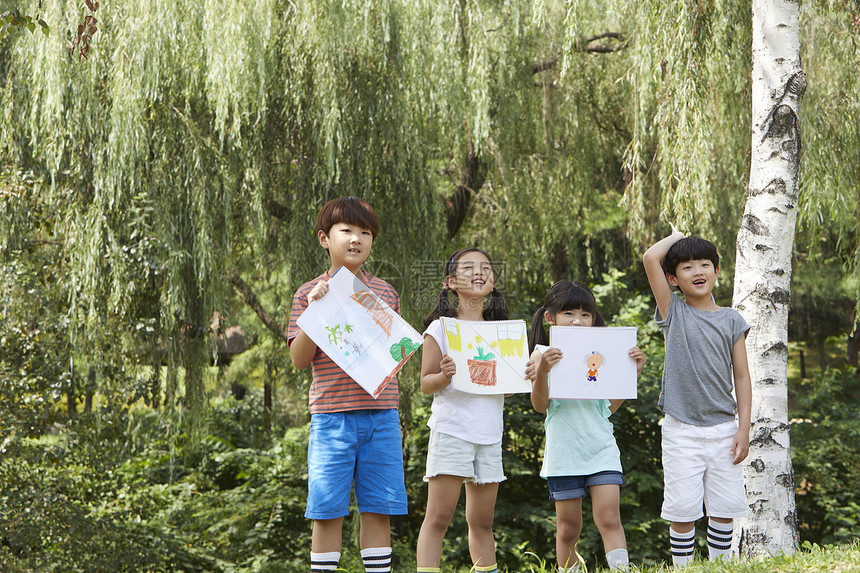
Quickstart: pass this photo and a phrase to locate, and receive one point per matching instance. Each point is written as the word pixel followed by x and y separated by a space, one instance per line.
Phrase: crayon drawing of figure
pixel 593 361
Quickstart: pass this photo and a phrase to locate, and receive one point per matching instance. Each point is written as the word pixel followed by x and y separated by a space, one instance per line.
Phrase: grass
pixel 810 559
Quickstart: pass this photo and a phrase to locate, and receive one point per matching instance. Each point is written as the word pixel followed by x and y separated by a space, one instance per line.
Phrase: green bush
pixel 826 457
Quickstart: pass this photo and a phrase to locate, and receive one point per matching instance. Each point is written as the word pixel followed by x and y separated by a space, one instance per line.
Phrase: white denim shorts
pixel 478 463
pixel 697 469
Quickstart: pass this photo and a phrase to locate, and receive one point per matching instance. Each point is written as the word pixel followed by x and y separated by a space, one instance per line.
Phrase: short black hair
pixel 350 211
pixel 690 248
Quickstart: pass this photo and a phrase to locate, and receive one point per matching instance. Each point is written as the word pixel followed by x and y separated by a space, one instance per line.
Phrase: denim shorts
pixel 477 463
pixel 573 487
pixel 361 449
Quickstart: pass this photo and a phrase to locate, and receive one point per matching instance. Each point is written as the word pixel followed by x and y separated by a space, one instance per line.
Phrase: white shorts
pixel 698 468
pixel 478 463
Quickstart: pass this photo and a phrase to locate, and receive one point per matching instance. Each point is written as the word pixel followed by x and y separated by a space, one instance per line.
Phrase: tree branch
pixel 457 205
pixel 586 46
pixel 277 210
pixel 243 289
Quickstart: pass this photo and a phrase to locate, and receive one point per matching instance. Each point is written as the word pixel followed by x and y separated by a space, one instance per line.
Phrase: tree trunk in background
pixel 268 381
pixel 852 346
pixel 763 274
pixel 90 390
pixel 822 355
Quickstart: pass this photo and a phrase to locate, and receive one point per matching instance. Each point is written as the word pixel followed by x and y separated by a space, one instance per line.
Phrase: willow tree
pixel 187 157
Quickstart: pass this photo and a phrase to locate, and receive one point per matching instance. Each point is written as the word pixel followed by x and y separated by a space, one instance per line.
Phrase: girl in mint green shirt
pixel 580 454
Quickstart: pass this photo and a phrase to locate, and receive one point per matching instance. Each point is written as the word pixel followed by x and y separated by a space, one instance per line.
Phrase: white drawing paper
pixel 360 332
pixel 490 356
pixel 595 363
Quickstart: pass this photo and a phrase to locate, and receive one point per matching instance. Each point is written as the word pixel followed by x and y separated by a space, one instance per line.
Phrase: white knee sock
pixel 322 562
pixel 682 546
pixel 719 540
pixel 617 558
pixel 376 559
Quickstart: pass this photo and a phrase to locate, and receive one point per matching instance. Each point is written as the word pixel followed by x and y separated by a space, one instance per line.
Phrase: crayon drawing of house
pixel 511 339
pixel 376 309
pixel 452 334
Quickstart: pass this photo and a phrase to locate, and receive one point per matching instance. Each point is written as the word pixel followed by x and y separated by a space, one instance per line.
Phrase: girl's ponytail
pixel 537 333
pixel 443 308
pixel 497 308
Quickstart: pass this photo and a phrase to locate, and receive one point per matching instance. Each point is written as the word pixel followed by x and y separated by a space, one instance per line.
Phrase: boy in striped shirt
pixel 355 439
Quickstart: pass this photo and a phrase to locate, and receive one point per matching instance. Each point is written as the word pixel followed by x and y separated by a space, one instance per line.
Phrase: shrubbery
pixel 121 489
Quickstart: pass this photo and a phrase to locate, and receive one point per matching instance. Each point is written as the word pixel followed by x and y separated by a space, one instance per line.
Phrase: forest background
pixel 160 174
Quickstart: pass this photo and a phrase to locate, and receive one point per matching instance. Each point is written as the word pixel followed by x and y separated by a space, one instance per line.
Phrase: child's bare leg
pixel 480 509
pixel 375 530
pixel 443 493
pixel 327 535
pixel 606 507
pixel 568 513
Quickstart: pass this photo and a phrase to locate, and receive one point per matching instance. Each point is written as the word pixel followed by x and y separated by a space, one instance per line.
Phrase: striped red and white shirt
pixel 332 390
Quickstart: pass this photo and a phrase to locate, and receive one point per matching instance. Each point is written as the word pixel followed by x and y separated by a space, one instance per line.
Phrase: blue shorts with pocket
pixel 573 487
pixel 361 449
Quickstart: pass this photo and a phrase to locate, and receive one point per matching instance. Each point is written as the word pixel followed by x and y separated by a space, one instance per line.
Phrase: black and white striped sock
pixel 323 562
pixel 376 559
pixel 719 540
pixel 682 546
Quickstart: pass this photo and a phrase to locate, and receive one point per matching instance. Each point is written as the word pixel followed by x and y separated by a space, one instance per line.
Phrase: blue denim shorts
pixel 361 449
pixel 573 487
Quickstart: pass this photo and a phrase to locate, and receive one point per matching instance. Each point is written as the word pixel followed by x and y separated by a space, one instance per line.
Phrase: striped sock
pixel 682 547
pixel 719 540
pixel 321 562
pixel 488 569
pixel 429 569
pixel 617 558
pixel 376 559
pixel 574 569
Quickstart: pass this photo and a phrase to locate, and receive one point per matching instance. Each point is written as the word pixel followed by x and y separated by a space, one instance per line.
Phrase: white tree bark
pixel 763 274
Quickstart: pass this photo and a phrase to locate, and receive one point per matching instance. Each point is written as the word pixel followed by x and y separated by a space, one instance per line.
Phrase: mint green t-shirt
pixel 579 438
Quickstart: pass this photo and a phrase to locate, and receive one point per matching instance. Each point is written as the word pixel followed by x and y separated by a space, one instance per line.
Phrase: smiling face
pixel 594 361
pixel 473 275
pixel 695 278
pixel 571 317
pixel 348 245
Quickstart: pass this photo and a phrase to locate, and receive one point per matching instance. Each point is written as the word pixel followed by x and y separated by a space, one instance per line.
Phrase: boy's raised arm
pixel 656 278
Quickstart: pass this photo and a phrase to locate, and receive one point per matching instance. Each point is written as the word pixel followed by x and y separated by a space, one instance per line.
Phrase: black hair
pixel 563 295
pixel 350 211
pixel 495 309
pixel 690 248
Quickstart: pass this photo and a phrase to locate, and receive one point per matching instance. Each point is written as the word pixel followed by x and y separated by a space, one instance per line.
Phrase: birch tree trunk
pixel 763 273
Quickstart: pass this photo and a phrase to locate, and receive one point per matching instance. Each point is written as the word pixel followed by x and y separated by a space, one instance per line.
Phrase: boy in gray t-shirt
pixel 703 445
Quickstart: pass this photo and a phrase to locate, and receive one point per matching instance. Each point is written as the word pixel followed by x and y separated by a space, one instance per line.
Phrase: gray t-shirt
pixel 697 373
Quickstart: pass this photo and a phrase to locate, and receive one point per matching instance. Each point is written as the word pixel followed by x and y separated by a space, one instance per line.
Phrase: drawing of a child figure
pixel 593 361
